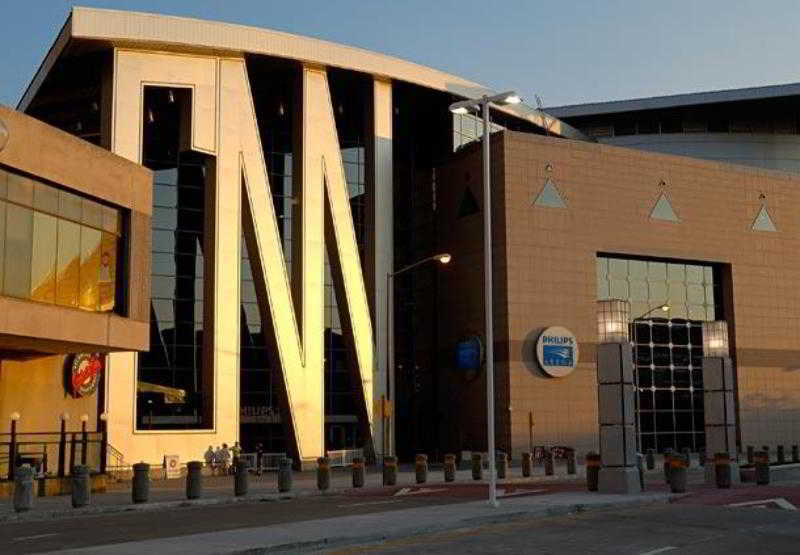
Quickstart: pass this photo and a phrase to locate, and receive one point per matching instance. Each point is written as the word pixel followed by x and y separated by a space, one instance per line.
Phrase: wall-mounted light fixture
pixel 612 321
pixel 715 339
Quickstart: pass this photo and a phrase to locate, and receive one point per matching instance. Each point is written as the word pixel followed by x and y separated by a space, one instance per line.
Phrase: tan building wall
pixel 547 275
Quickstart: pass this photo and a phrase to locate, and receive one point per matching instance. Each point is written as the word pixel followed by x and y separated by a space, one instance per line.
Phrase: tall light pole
pixel 443 258
pixel 465 106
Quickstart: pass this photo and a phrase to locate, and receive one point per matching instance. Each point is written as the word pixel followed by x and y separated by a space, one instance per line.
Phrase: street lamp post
pixel 442 258
pixel 465 106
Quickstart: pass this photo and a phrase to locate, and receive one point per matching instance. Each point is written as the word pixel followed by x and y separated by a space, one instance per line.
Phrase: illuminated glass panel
pixel 90 266
pixel 43 263
pixel 68 263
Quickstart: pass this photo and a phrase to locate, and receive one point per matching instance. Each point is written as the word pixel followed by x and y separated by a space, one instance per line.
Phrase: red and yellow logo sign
pixel 85 373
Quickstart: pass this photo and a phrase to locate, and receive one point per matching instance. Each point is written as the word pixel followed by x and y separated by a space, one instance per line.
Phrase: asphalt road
pixel 655 529
pixel 71 533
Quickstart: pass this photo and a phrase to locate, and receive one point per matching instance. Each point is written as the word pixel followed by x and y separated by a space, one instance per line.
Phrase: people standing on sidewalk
pixel 208 456
pixel 218 461
pixel 225 456
pixel 259 453
pixel 236 450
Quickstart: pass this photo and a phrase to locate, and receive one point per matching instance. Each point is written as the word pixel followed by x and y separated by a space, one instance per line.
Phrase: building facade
pixel 292 176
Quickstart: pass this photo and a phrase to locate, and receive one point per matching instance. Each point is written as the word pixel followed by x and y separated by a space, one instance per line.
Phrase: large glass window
pixel 667 345
pixel 57 247
pixel 173 389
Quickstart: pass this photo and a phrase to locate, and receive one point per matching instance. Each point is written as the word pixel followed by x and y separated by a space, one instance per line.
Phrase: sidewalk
pixel 373 527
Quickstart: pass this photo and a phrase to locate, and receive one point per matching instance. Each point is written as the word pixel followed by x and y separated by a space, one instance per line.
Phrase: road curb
pixel 460 524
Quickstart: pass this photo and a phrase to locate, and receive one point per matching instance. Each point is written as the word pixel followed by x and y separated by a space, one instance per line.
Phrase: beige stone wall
pixel 610 193
pixel 547 276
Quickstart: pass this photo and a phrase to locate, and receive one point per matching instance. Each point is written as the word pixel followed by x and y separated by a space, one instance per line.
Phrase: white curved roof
pixel 135 29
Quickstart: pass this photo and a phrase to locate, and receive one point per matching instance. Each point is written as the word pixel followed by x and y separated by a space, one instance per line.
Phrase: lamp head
pixel 84 418
pixel 665 307
pixel 460 110
pixel 65 416
pixel 444 258
pixel 103 416
pixel 15 416
pixel 513 98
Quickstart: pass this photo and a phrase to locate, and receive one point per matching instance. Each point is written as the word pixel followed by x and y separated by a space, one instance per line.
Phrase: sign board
pixel 84 373
pixel 557 351
pixel 469 354
pixel 173 466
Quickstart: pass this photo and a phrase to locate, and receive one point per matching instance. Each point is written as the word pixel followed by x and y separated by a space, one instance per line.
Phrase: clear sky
pixel 566 51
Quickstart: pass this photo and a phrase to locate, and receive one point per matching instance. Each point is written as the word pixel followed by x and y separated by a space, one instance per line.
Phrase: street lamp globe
pixel 444 258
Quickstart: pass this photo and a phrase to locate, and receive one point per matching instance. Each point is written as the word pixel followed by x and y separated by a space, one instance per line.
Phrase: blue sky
pixel 566 51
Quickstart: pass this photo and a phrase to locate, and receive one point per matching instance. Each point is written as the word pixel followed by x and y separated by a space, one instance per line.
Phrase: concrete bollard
pixel 194 480
pixel 651 459
pixel 23 488
pixel 795 454
pixel 527 464
pixel 241 480
pixel 449 468
pixel 549 463
pixel 750 454
pixel 477 466
pixel 640 468
pixel 761 462
pixel 323 473
pixel 140 490
pixel 421 468
pixel 358 472
pixel 80 485
pixel 722 470
pixel 571 465
pixel 389 471
pixel 501 464
pixel 285 475
pixel 592 470
pixel 678 473
pixel 667 464
pixel 780 455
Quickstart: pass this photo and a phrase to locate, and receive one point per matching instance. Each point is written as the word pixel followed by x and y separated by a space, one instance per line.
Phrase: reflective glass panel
pixel 2 241
pixel 43 262
pixel 68 263
pixel 90 265
pixel 106 276
pixel 19 236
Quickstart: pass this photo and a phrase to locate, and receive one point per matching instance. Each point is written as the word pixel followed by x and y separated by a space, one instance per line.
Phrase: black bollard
pixel 678 473
pixel 761 461
pixel 449 468
pixel 722 470
pixel 285 475
pixel 781 455
pixel 140 490
pixel 640 467
pixel 795 454
pixel 592 471
pixel 194 480
pixel 23 488
pixel 549 463
pixel 323 474
pixel 667 464
pixel 80 485
pixel 501 462
pixel 527 464
pixel 571 465
pixel 750 454
pixel 477 466
pixel 651 459
pixel 241 480
pixel 421 468
pixel 358 472
pixel 389 471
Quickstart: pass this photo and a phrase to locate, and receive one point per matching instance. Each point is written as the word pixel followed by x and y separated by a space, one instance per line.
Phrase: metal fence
pixel 344 457
pixel 269 461
pixel 51 453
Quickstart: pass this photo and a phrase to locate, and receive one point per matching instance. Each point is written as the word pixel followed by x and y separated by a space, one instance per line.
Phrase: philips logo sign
pixel 557 351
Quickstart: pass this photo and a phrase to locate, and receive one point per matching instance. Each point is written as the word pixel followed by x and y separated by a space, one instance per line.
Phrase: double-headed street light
pixel 442 258
pixel 482 105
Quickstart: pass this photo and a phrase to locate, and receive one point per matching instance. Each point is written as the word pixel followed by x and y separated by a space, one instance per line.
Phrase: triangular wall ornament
pixel 549 196
pixel 663 210
pixel 763 221
pixel 469 204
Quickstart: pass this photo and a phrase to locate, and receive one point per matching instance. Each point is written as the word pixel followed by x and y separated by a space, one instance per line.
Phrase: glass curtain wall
pixel 668 346
pixel 171 389
pixel 57 247
pixel 274 87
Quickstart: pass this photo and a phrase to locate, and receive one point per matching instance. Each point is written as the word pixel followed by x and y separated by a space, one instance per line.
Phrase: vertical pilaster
pixel 383 236
pixel 615 392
